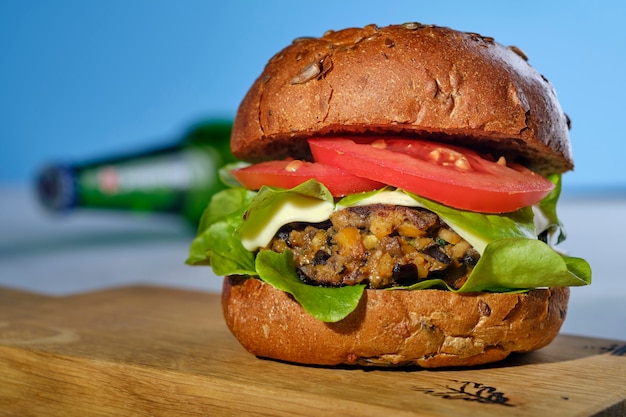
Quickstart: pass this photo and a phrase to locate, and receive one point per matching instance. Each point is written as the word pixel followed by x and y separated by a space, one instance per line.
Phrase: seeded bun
pixel 410 80
pixel 428 328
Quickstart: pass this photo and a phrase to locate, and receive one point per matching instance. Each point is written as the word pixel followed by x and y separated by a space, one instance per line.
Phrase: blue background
pixel 84 78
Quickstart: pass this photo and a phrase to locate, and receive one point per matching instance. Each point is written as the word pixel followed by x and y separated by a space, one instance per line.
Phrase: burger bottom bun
pixel 429 328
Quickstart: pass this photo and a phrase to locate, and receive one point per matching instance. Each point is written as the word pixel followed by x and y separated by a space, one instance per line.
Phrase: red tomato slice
pixel 289 173
pixel 451 175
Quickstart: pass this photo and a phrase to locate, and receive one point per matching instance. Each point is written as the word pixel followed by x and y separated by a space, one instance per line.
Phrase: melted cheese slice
pixel 257 233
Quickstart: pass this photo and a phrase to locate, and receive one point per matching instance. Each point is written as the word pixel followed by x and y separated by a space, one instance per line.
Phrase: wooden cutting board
pixel 153 351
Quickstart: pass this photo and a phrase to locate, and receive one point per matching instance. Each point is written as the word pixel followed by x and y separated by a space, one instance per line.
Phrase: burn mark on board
pixel 468 391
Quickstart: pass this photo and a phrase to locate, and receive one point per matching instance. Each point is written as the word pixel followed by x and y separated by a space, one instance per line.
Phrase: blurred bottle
pixel 179 178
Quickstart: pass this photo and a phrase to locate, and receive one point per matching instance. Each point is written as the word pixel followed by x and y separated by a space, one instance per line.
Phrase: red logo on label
pixel 108 180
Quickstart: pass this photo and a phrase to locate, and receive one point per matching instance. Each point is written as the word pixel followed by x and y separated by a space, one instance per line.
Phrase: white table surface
pixel 90 251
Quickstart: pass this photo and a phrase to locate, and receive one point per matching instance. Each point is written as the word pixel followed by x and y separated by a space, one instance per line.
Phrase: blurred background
pixel 82 78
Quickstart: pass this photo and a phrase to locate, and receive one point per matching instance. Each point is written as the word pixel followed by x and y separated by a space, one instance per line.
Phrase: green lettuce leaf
pixel 323 303
pixel 217 242
pixel 514 264
pixel 547 210
pixel 226 176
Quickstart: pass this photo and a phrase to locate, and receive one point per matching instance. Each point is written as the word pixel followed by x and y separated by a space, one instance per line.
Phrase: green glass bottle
pixel 179 178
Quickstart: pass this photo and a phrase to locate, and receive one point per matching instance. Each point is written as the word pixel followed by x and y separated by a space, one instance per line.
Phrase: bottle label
pixel 159 174
pixel 155 183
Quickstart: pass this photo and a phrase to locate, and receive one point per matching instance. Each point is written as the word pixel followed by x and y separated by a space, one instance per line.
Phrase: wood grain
pixel 150 351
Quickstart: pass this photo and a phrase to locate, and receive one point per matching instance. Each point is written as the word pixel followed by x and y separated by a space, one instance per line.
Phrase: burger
pixel 395 203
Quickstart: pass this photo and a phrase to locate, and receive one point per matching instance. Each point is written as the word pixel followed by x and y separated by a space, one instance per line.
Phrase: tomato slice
pixel 451 175
pixel 292 172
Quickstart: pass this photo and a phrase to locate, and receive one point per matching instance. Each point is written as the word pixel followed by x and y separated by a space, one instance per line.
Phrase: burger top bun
pixel 411 79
